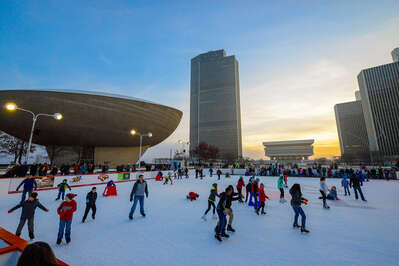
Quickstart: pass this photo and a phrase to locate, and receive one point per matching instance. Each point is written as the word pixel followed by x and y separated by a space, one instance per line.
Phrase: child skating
pixel 296 202
pixel 91 198
pixel 240 185
pixel 65 211
pixel 28 213
pixel 62 187
pixel 280 186
pixel 211 201
pixel 324 191
pixel 262 199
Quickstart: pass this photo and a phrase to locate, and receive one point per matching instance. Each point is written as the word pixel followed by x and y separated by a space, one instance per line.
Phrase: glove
pixel 9 211
pixel 46 210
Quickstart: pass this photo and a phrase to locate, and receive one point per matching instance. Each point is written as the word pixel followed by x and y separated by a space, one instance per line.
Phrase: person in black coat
pixel 221 210
pixel 356 183
pixel 91 204
pixel 28 213
pixel 296 202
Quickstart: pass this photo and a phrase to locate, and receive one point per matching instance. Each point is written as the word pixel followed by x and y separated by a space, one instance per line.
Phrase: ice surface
pixel 350 233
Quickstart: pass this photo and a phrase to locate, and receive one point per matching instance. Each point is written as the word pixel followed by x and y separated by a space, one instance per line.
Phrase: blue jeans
pixel 255 196
pixel 64 225
pixel 298 211
pixel 222 222
pixel 29 191
pixel 356 189
pixel 347 191
pixel 136 199
pixel 61 194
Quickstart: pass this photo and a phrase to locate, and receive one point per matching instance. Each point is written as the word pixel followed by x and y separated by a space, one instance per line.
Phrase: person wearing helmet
pixel 211 201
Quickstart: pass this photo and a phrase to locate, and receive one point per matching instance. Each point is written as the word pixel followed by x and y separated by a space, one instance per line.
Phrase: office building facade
pixel 215 115
pixel 379 88
pixel 352 131
pixel 395 55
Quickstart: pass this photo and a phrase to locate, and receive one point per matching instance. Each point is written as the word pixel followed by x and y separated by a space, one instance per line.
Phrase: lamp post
pixel 13 107
pixel 133 132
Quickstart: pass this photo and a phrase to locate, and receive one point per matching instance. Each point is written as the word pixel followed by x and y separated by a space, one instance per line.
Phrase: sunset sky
pixel 296 58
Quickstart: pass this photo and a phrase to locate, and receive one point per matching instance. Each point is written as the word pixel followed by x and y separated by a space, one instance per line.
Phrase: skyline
pixel 304 51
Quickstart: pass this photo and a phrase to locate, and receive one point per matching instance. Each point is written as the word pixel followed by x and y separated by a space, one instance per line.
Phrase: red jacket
pixel 255 188
pixel 193 195
pixel 262 195
pixel 240 184
pixel 66 210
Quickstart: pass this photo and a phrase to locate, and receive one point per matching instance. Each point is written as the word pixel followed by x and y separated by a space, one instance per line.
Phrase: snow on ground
pixel 350 233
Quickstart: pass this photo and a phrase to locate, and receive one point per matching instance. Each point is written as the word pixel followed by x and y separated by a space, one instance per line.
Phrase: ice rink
pixel 173 233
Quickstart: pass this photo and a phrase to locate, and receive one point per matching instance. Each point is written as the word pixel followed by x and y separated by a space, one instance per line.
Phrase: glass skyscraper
pixel 215 115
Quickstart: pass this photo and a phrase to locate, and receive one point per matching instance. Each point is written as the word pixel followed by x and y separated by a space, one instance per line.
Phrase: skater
pixel 211 201
pixel 62 188
pixel 110 189
pixel 333 194
pixel 65 211
pixel 355 183
pixel 285 180
pixel 240 185
pixel 345 184
pixel 248 189
pixel 262 199
pixel 280 186
pixel 186 172
pixel 221 228
pixel 29 185
pixel 219 173
pixel 210 172
pixel 229 211
pixel 28 213
pixel 324 191
pixel 139 189
pixel 254 193
pixel 296 202
pixel 192 196
pixel 91 198
pixel 168 178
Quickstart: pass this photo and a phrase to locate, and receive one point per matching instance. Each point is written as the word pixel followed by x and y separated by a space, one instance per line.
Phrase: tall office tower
pixel 395 55
pixel 215 115
pixel 358 96
pixel 379 89
pixel 352 131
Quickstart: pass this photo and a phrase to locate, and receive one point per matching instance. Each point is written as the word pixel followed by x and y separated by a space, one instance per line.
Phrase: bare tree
pixel 14 146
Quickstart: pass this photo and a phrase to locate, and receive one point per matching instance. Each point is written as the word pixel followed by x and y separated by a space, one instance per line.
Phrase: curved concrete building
pixel 96 126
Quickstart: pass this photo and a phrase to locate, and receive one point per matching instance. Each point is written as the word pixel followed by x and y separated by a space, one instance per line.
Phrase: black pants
pixel 262 205
pixel 22 223
pixel 210 204
pixel 246 196
pixel 356 189
pixel 240 193
pixel 324 197
pixel 93 213
pixel 281 193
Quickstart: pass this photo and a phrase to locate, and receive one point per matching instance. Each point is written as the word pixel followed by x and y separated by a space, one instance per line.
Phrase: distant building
pixel 289 151
pixel 379 88
pixel 358 96
pixel 215 115
pixel 395 55
pixel 352 131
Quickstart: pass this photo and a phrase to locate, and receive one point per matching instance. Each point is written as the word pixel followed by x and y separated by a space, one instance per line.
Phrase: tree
pixel 205 152
pixel 14 146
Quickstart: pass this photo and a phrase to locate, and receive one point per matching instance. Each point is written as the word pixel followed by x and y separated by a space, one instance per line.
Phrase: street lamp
pixel 13 107
pixel 133 132
pixel 183 143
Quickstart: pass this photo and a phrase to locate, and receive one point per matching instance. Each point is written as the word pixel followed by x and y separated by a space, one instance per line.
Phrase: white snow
pixel 173 233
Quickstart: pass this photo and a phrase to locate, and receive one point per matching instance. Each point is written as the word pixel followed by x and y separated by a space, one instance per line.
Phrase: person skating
pixel 28 213
pixel 345 184
pixel 29 185
pixel 324 191
pixel 240 185
pixel 62 187
pixel 192 196
pixel 280 186
pixel 333 195
pixel 91 198
pixel 219 173
pixel 221 211
pixel 211 201
pixel 262 199
pixel 168 178
pixel 356 183
pixel 210 172
pixel 248 189
pixel 254 193
pixel 229 211
pixel 65 211
pixel 139 189
pixel 296 202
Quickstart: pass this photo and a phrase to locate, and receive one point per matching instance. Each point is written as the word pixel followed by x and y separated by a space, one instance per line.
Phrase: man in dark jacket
pixel 356 182
pixel 29 184
pixel 28 213
pixel 229 211
pixel 139 189
pixel 221 210
pixel 91 204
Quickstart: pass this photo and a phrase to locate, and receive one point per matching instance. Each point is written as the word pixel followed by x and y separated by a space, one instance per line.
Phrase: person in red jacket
pixel 254 193
pixel 65 211
pixel 192 196
pixel 262 198
pixel 240 185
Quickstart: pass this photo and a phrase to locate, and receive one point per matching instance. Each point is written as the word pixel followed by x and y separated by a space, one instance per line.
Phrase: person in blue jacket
pixel 29 184
pixel 345 184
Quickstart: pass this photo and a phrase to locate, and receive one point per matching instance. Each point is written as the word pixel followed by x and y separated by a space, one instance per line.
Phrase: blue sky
pixel 143 49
